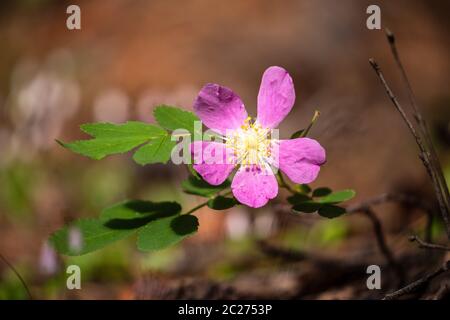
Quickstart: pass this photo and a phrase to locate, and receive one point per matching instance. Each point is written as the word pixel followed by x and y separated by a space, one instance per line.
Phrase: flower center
pixel 250 143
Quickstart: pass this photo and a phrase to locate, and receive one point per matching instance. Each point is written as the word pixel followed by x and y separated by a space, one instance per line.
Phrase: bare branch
pixel 427 245
pixel 381 242
pixel 418 283
pixel 432 155
pixel 399 198
pixel 442 292
pixel 424 154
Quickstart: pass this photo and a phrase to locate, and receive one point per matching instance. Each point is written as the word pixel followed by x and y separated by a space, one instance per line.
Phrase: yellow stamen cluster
pixel 250 143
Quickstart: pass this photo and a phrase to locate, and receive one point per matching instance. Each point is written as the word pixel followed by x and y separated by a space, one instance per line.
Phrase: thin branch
pixel 286 254
pixel 291 255
pixel 427 245
pixel 392 197
pixel 442 292
pixel 420 121
pixel 397 105
pixel 399 198
pixel 424 154
pixel 418 283
pixel 24 284
pixel 381 242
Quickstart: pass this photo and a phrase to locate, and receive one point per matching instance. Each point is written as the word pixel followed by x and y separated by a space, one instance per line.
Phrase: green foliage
pixel 323 200
pixel 137 211
pixel 172 118
pixel 94 235
pixel 304 132
pixel 160 225
pixel 298 198
pixel 111 264
pixel 157 150
pixel 222 203
pixel 337 197
pixel 302 188
pixel 159 222
pixel 109 138
pixel 298 134
pixel 321 192
pixel 330 211
pixel 167 231
pixel 306 206
pixel 202 188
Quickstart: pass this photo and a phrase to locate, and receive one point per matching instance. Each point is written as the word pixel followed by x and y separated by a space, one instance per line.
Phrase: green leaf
pixel 298 198
pixel 164 232
pixel 304 132
pixel 303 188
pixel 337 197
pixel 331 211
pixel 112 138
pixel 307 207
pixel 298 134
pixel 157 150
pixel 201 188
pixel 222 203
pixel 321 192
pixel 172 118
pixel 93 234
pixel 193 172
pixel 138 209
pixel 115 223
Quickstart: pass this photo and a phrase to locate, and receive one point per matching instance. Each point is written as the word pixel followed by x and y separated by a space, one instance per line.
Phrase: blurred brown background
pixel 130 56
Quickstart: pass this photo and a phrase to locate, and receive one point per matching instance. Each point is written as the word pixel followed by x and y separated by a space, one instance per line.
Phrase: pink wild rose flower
pixel 247 144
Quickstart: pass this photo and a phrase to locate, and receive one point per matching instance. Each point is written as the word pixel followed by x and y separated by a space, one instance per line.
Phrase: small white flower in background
pixel 48 260
pixel 265 224
pixel 237 223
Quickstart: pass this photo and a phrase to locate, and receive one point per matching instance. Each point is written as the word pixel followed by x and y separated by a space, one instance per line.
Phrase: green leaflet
pixel 115 223
pixel 164 232
pixel 200 187
pixel 157 150
pixel 172 118
pixel 337 197
pixel 323 201
pixel 110 138
pixel 222 203
pixel 92 234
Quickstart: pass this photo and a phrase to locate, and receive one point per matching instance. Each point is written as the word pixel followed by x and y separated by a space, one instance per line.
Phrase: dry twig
pixel 427 245
pixel 427 152
pixel 414 286
pixel 404 199
pixel 423 128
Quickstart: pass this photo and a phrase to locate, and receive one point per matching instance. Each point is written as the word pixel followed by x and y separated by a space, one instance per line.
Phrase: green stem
pixel 313 120
pixel 18 275
pixel 201 205
pixel 284 184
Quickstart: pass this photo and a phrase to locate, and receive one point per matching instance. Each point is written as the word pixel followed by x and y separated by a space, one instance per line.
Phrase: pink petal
pixel 300 159
pixel 276 97
pixel 219 108
pixel 212 160
pixel 254 186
